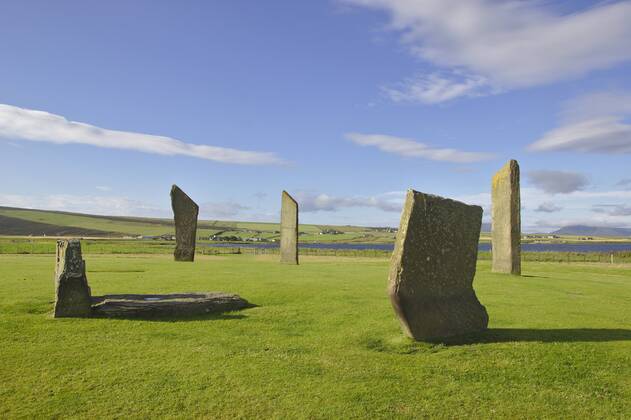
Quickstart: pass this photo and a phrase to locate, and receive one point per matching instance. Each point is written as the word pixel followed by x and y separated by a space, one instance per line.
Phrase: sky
pixel 345 104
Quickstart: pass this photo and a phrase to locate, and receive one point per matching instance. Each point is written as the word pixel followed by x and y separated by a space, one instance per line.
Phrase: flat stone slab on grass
pixel 178 304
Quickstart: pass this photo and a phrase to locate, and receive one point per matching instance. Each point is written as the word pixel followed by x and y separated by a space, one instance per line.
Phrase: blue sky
pixel 343 103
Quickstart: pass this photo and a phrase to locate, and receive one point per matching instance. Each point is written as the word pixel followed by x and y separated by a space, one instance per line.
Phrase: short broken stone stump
pixel 177 304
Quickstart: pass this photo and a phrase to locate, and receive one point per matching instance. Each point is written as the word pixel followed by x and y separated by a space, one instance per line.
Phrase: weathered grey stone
pixel 506 220
pixel 73 296
pixel 288 230
pixel 182 304
pixel 433 266
pixel 72 293
pixel 185 213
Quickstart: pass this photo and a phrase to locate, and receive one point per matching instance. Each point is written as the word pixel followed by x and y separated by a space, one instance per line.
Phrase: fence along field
pixel 127 246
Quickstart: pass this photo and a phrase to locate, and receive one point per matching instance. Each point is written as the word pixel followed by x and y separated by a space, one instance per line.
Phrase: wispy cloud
pixel 312 202
pixel 596 104
pixel 103 188
pixel 221 209
pixel 548 207
pixel 592 123
pixel 612 209
pixel 31 125
pixel 553 182
pixel 512 44
pixel 601 135
pixel 91 204
pixel 436 87
pixel 577 208
pixel 625 183
pixel 550 225
pixel 411 148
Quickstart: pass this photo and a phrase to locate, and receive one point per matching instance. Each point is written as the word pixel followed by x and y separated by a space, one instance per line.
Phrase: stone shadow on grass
pixel 400 344
pixel 558 335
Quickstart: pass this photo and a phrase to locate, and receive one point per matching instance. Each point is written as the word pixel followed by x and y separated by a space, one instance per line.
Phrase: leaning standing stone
pixel 506 220
pixel 433 266
pixel 288 230
pixel 72 293
pixel 185 215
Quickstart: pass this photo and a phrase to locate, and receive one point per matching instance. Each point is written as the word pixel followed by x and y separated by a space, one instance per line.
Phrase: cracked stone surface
pixel 506 220
pixel 72 293
pixel 185 213
pixel 288 230
pixel 177 304
pixel 432 268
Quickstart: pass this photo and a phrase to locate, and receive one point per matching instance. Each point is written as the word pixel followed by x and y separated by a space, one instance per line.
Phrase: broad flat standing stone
pixel 288 230
pixel 433 266
pixel 72 293
pixel 185 213
pixel 506 220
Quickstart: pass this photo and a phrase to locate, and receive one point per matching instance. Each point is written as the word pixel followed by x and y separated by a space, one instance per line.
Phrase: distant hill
pixel 21 227
pixel 582 230
pixel 25 222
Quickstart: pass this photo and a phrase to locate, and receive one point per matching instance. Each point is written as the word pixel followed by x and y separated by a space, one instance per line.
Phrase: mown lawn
pixel 323 343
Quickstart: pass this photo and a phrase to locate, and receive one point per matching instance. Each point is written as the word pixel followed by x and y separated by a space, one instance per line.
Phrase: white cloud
pixel 221 209
pixel 577 209
pixel 625 183
pixel 597 104
pixel 26 124
pixel 574 208
pixel 554 182
pixel 551 225
pixel 548 207
pixel 592 123
pixel 612 209
pixel 511 44
pixel 582 195
pixel 410 148
pixel 90 204
pixel 311 202
pixel 600 135
pixel 435 87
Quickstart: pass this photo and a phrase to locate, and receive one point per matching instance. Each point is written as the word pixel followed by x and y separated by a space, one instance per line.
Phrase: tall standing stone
pixel 506 220
pixel 433 266
pixel 72 293
pixel 185 213
pixel 288 229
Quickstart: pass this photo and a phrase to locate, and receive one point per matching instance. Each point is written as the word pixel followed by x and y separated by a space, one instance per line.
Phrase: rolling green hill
pixel 23 222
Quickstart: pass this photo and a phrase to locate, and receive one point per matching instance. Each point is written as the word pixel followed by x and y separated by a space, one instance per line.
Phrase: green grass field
pixel 25 246
pixel 323 343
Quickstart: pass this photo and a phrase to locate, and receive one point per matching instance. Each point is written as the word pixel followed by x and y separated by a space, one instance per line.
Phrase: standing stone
pixel 433 266
pixel 288 230
pixel 72 293
pixel 185 215
pixel 506 220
